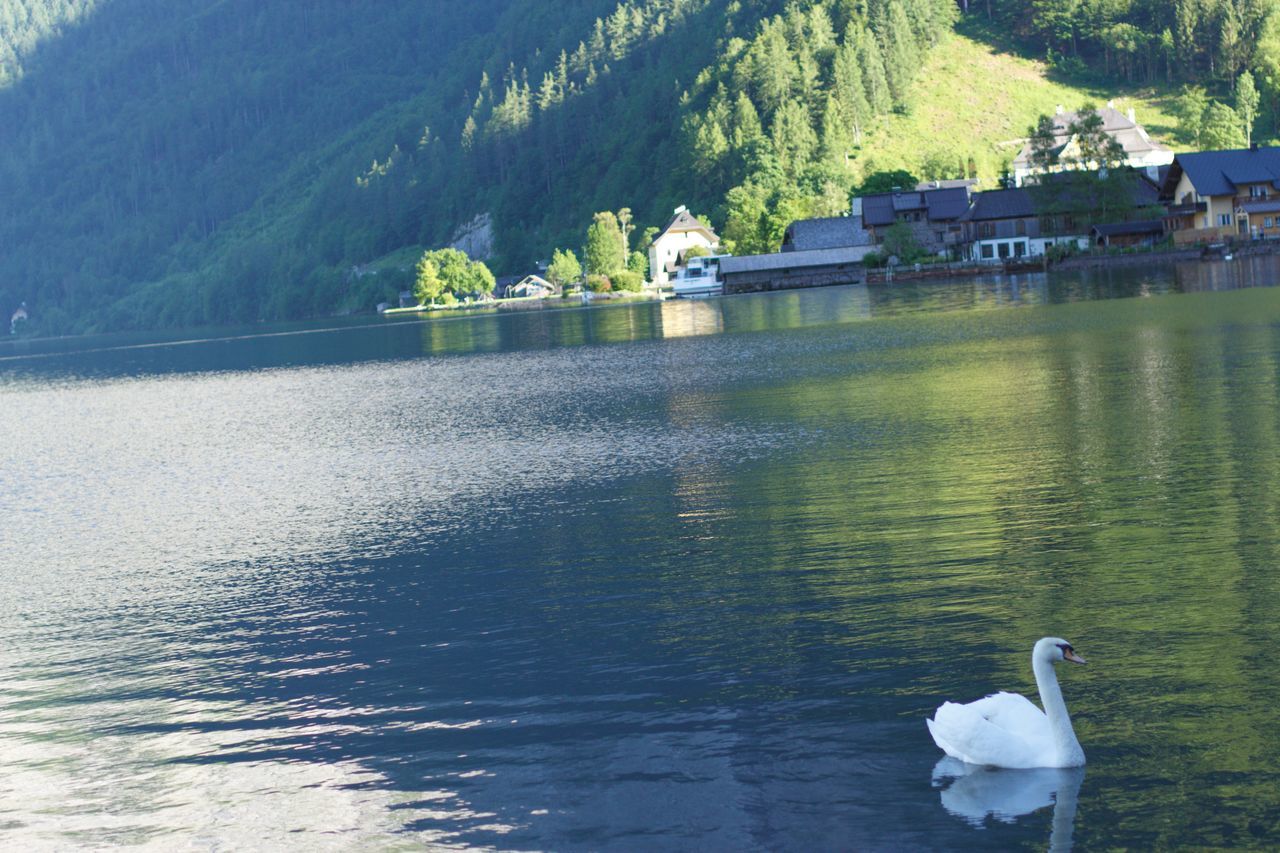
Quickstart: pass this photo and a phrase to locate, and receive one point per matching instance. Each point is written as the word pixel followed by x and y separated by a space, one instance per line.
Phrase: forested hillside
pixel 181 162
pixel 1185 40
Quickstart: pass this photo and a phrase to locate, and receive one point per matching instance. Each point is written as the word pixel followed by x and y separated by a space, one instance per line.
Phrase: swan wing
pixel 1013 712
pixel 1002 730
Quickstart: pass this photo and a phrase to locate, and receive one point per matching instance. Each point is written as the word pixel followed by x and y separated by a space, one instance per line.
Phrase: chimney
pixel 1133 117
pixel 1059 110
pixel 1111 105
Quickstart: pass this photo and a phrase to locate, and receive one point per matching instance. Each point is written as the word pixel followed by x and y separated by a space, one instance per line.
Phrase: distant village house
pixel 933 215
pixel 529 287
pixel 1023 222
pixel 1140 151
pixel 1213 195
pixel 667 252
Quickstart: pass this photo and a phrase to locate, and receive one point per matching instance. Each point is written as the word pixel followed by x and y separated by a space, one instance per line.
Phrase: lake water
pixel 686 575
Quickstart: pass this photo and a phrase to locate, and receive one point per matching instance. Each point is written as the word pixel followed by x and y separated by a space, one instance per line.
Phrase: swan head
pixel 1054 649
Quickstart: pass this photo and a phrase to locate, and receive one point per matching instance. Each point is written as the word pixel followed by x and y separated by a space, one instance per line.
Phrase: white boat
pixel 699 277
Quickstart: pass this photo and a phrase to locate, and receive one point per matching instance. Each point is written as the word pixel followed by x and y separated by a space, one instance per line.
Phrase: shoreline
pixel 522 303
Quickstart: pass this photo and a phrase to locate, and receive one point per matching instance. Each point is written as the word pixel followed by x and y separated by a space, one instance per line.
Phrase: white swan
pixel 1008 730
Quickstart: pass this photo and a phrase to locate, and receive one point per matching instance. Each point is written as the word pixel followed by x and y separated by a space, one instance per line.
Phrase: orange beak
pixel 1072 656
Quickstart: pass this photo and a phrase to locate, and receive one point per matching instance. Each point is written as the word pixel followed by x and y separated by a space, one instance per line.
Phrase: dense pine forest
pixel 186 162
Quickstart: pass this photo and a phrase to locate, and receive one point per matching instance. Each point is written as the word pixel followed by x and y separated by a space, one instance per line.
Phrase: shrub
pixel 599 283
pixel 628 280
pixel 1059 251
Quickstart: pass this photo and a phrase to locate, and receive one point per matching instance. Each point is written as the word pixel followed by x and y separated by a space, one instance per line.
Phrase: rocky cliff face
pixel 475 237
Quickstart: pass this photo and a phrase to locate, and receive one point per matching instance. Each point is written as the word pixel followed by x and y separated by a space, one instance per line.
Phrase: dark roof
pixel 794 260
pixel 1269 206
pixel 878 209
pixel 828 233
pixel 1141 226
pixel 939 204
pixel 1001 204
pixel 1025 201
pixel 685 221
pixel 947 203
pixel 908 201
pixel 949 184
pixel 1220 172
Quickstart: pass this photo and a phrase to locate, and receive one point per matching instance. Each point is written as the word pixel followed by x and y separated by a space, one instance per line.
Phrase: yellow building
pixel 1214 195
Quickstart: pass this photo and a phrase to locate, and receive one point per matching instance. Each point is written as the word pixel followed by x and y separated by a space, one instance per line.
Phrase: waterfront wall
pixel 765 280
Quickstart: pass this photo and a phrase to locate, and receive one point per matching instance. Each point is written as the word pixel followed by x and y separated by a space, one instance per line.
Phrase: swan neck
pixel 1055 708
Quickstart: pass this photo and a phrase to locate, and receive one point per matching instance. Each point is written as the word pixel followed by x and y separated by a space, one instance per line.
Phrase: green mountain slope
pixel 986 118
pixel 184 162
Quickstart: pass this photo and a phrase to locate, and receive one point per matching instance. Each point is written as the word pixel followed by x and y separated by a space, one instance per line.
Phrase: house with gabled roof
pixel 1002 224
pixel 1229 193
pixel 933 215
pixel 667 252
pixel 528 286
pixel 1024 222
pixel 1140 150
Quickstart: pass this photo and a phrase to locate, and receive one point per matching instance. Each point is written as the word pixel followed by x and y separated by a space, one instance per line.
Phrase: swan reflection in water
pixel 976 793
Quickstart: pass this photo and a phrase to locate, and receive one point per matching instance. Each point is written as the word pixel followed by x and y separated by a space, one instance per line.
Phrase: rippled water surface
pixel 660 576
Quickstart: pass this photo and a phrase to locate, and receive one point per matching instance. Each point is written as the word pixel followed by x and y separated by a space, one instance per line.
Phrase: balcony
pixel 1188 209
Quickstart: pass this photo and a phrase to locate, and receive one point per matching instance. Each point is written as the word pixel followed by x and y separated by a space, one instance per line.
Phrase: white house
pixel 667 250
pixel 531 286
pixel 1140 150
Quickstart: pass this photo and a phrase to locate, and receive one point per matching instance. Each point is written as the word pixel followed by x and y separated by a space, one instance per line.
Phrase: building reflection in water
pixel 683 318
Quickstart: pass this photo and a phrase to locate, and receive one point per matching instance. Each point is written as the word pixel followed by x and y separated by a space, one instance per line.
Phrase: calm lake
pixel 665 576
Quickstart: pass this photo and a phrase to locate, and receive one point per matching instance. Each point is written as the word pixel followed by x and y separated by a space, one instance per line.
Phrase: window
pixel 1021 228
pixel 1257 191
pixel 1019 248
pixel 988 251
pixel 1224 219
pixel 1266 223
pixel 1004 250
